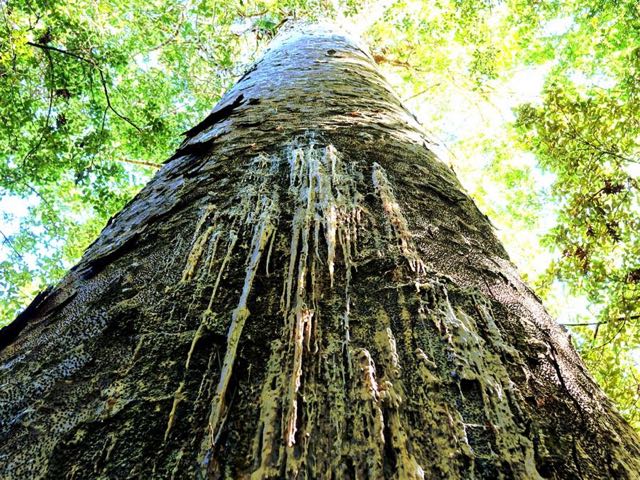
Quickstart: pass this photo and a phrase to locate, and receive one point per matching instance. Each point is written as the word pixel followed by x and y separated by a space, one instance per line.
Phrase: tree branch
pixel 139 162
pixel 603 322
pixel 176 31
pixel 46 122
pixel 7 241
pixel 100 72
pixel 579 137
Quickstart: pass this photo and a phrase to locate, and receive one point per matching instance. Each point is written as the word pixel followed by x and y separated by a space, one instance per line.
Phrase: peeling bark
pixel 302 291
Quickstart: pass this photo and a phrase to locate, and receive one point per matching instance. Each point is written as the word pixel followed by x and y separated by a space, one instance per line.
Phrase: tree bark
pixel 302 291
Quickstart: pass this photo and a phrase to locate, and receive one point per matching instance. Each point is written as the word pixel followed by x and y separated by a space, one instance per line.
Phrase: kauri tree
pixel 302 291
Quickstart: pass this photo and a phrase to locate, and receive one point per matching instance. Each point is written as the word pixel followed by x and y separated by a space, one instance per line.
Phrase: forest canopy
pixel 534 104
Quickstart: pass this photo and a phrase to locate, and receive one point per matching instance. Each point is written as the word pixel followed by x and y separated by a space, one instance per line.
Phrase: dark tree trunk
pixel 302 291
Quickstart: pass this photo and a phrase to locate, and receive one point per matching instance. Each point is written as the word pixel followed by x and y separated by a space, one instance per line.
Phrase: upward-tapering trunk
pixel 302 291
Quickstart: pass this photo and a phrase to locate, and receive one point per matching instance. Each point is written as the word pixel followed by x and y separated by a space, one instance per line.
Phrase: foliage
pixel 95 95
pixel 586 132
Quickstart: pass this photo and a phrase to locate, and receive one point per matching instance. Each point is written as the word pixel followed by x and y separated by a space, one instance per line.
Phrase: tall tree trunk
pixel 302 291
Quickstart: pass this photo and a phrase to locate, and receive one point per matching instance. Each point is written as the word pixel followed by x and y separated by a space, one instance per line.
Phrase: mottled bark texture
pixel 302 291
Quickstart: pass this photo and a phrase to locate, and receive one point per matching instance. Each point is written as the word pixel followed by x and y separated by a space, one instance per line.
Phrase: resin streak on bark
pixel 302 291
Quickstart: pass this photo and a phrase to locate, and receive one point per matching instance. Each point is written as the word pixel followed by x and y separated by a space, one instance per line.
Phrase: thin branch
pixel 106 96
pixel 8 241
pixel 100 72
pixel 64 52
pixel 15 175
pixel 422 92
pixel 579 137
pixel 46 122
pixel 586 324
pixel 379 58
pixel 251 15
pixel 176 32
pixel 139 162
pixel 104 118
pixel 603 322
